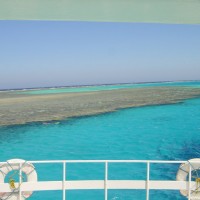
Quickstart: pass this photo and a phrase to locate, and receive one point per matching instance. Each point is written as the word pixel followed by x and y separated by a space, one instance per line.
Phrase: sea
pixel 162 132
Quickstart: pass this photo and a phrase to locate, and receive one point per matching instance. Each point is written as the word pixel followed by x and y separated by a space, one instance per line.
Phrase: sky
pixel 52 53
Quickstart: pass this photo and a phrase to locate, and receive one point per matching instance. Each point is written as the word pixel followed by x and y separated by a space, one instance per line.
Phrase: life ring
pixel 183 173
pixel 27 168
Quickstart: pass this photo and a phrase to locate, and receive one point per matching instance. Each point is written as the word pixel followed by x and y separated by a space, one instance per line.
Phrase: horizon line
pixel 87 85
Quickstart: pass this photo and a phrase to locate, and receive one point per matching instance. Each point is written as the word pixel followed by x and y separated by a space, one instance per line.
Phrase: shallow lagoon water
pixel 165 132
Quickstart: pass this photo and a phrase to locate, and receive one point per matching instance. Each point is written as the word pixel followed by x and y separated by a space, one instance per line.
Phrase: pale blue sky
pixel 39 54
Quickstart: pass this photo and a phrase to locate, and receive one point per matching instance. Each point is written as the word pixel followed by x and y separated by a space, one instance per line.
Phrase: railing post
pixel 189 183
pixel 147 181
pixel 106 178
pixel 64 177
pixel 20 181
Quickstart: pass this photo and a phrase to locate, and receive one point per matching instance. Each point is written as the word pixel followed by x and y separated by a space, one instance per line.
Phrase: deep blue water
pixel 165 132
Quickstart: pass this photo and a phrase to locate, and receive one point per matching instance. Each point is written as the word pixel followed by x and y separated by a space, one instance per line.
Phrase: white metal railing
pixel 105 184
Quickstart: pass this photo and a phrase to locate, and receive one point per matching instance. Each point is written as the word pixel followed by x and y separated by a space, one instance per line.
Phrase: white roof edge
pixel 139 11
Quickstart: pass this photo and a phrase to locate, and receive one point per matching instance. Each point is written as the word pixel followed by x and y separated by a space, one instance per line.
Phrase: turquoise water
pixel 107 87
pixel 167 132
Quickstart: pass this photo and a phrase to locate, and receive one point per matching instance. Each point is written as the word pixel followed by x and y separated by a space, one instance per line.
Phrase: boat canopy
pixel 139 11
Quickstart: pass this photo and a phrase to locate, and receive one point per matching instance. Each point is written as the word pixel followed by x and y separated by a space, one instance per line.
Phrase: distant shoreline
pixel 91 85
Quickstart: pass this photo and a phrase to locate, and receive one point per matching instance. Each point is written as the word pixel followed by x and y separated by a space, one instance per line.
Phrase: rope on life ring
pixel 13 165
pixel 183 175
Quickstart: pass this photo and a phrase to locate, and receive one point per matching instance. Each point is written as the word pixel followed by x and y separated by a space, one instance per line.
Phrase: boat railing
pixel 105 184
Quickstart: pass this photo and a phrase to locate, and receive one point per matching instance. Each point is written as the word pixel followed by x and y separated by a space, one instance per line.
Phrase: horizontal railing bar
pixel 98 184
pixel 111 161
pixel 103 161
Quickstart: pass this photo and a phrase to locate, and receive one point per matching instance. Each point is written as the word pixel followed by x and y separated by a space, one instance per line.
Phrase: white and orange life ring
pixel 27 168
